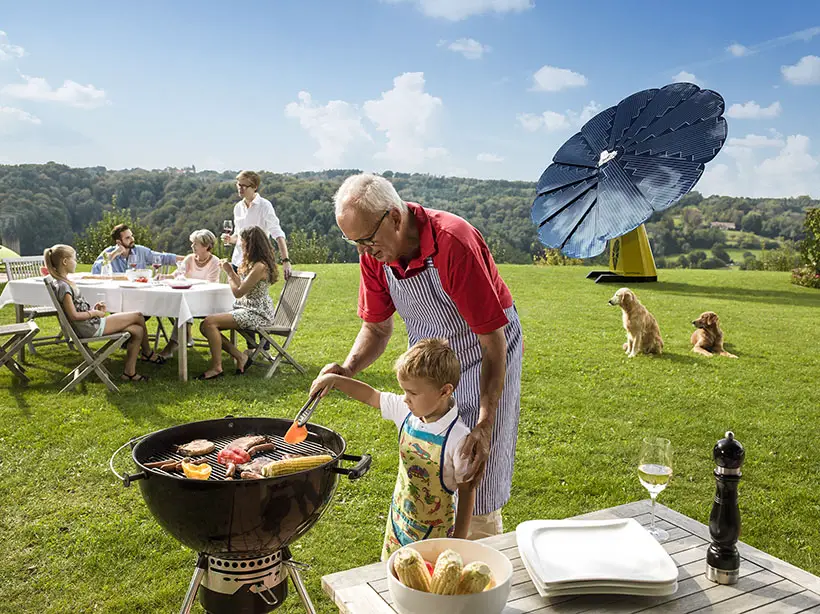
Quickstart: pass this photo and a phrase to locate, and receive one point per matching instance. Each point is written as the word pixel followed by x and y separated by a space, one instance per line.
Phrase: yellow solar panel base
pixel 630 259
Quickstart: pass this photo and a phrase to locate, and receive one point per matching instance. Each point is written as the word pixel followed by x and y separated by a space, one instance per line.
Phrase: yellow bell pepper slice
pixel 196 472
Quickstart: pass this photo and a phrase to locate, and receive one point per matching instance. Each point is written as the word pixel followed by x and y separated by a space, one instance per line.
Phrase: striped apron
pixel 428 311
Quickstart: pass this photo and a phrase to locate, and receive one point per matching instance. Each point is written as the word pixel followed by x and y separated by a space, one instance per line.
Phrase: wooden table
pixel 767 585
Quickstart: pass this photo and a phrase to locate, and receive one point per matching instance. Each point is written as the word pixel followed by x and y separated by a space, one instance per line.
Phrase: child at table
pixel 61 261
pixel 430 498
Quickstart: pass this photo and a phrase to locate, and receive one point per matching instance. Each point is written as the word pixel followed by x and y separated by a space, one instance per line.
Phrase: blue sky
pixel 479 88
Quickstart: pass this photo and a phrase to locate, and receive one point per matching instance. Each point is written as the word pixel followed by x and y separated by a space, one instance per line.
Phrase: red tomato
pixel 429 567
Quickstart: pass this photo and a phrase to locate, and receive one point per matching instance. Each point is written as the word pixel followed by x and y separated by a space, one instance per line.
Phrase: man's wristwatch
pixel 284 260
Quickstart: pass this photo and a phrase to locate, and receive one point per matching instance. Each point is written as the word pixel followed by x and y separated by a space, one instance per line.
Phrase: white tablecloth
pixel 149 299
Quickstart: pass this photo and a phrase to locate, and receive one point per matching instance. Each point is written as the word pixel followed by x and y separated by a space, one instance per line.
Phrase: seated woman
pixel 253 307
pixel 201 264
pixel 61 261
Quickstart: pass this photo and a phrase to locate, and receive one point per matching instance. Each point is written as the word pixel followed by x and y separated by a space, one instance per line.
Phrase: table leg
pixel 18 315
pixel 182 350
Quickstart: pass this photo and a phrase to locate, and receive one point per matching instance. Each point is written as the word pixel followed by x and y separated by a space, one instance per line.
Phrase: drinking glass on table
pixel 99 297
pixel 132 261
pixel 654 472
pixel 157 265
pixel 227 229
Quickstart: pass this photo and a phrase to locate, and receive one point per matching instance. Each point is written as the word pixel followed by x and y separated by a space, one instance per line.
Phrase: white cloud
pixel 11 119
pixel 70 93
pixel 489 157
pixel 792 171
pixel 336 126
pixel 738 50
pixel 469 48
pixel 406 114
pixel 456 10
pixel 686 77
pixel 552 121
pixel 756 141
pixel 553 79
pixel 9 51
pixel 752 110
pixel 805 72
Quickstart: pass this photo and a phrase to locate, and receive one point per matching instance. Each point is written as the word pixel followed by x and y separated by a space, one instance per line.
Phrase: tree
pixel 810 247
pixel 89 245
pixel 692 218
pixel 719 252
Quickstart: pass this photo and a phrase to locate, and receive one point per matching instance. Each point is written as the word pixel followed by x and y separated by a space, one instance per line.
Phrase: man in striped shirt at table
pixel 125 246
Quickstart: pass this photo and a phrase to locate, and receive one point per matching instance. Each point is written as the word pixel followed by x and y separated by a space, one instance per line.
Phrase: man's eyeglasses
pixel 243 186
pixel 368 241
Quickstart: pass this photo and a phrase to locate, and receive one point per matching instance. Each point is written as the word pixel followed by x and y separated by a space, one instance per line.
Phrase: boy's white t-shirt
pixel 455 467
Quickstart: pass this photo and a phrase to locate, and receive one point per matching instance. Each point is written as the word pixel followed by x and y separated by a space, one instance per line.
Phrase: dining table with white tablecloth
pixel 160 299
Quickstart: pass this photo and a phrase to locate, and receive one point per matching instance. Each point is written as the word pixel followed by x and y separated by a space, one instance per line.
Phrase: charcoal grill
pixel 242 527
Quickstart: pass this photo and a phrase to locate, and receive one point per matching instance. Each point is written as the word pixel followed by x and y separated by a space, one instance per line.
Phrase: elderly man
pixel 435 269
pixel 124 246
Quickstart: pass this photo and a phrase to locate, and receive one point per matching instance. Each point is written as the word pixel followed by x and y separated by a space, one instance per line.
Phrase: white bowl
pixel 410 601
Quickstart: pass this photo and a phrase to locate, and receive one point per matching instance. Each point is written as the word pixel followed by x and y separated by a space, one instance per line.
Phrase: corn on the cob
pixel 447 573
pixel 411 570
pixel 474 579
pixel 292 465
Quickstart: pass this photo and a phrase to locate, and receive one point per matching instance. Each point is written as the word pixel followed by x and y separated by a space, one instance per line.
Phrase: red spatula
pixel 297 432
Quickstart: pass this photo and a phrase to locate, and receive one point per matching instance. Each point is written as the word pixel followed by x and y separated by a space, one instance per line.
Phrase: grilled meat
pixel 197 447
pixel 246 443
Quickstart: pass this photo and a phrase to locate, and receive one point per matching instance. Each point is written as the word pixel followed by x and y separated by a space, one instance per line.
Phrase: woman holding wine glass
pixel 199 264
pixel 654 473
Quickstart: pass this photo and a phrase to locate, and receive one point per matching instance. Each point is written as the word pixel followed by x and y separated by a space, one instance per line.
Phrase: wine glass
pixel 227 228
pixel 132 261
pixel 654 472
pixel 157 265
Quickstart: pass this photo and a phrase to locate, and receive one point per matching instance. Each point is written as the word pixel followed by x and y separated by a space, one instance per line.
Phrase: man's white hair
pixel 368 193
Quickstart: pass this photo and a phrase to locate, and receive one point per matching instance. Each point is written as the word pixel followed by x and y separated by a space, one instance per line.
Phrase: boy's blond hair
pixel 430 359
pixel 251 177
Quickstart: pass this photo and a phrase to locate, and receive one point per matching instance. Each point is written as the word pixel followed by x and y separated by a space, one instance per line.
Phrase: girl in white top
pixel 431 498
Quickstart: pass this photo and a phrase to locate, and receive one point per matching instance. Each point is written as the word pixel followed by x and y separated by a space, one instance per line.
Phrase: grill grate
pixel 306 448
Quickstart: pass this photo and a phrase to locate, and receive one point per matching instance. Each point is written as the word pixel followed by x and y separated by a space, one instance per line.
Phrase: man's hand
pixel 476 450
pixel 287 269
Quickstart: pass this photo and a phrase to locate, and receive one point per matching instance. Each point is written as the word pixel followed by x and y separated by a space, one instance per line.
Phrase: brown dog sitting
pixel 642 332
pixel 708 338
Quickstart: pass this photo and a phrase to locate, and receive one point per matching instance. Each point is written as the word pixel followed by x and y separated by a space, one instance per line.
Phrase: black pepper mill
pixel 722 558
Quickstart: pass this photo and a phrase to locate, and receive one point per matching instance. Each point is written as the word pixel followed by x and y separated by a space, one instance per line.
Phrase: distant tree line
pixel 42 204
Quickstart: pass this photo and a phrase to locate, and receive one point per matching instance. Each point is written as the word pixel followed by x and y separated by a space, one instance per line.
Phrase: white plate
pixel 134 284
pixel 618 550
pixel 83 282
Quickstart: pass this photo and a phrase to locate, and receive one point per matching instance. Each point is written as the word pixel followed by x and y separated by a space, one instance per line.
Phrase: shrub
pixel 683 262
pixel 806 276
pixel 306 248
pixel 696 257
pixel 810 246
pixel 712 263
pixel 750 242
pixel 770 244
pixel 98 236
pixel 783 259
pixel 751 264
pixel 719 252
pixel 660 262
pixel 554 257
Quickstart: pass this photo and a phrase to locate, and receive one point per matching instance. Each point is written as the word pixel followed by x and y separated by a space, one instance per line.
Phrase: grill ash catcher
pixel 241 528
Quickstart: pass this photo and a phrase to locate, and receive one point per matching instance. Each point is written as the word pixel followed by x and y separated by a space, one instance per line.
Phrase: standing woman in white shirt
pixel 253 210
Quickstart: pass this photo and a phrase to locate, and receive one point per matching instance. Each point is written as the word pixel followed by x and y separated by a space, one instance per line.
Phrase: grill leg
pixel 196 580
pixel 300 588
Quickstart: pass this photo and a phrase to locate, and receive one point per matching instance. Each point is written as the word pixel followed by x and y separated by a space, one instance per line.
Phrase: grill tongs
pixel 297 432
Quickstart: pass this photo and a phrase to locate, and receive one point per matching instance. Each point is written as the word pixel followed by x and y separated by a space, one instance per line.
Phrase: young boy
pixel 431 469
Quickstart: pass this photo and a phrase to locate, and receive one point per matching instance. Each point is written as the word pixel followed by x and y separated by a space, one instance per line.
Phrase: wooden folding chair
pixel 286 318
pixel 19 335
pixel 92 359
pixel 26 268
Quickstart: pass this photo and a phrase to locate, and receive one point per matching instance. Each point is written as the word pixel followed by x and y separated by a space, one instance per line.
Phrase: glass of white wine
pixel 654 472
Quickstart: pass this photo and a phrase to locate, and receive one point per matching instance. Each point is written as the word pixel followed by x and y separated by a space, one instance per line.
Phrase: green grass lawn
pixel 74 540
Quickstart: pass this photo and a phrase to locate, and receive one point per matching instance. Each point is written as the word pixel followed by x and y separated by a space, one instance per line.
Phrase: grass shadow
pixel 775 297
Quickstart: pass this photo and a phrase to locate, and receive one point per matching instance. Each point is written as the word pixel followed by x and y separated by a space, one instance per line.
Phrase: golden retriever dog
pixel 642 332
pixel 708 338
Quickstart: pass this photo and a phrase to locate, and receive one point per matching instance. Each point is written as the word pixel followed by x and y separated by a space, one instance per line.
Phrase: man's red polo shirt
pixel 467 270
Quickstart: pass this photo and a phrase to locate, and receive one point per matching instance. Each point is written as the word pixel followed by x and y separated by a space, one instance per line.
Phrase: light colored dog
pixel 708 338
pixel 642 332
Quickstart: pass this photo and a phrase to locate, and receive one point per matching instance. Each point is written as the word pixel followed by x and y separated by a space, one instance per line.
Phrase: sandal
pixel 135 377
pixel 153 358
pixel 244 369
pixel 205 377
